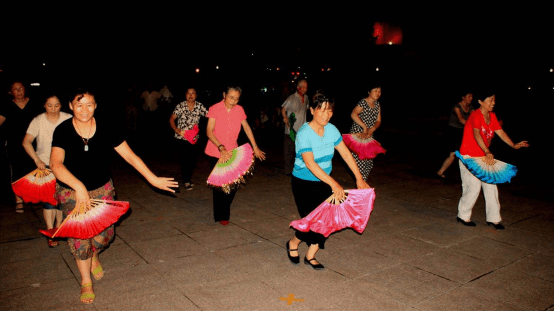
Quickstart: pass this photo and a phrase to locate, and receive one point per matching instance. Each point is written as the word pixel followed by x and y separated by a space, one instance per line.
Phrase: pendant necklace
pixel 84 140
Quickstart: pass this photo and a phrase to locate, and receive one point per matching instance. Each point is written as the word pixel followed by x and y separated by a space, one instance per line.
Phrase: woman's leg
pixel 49 216
pixel 308 195
pixel 221 200
pixel 492 204
pixel 87 292
pixel 59 217
pixel 447 162
pixel 471 187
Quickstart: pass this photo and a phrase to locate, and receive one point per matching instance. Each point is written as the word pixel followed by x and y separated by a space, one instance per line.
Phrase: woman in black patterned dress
pixel 187 114
pixel 367 118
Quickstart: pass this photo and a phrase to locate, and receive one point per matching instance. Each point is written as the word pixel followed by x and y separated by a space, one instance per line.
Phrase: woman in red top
pixel 479 130
pixel 225 120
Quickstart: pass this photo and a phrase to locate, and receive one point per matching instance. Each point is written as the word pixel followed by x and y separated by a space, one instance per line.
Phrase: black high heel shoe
pixel 294 260
pixel 466 223
pixel 497 226
pixel 318 266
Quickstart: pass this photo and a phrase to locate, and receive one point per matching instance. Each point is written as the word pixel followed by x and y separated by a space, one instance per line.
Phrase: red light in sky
pixel 385 33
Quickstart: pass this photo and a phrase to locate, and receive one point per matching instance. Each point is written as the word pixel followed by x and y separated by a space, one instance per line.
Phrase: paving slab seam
pixel 138 254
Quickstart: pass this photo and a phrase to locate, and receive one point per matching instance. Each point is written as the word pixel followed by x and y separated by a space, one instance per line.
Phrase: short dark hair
pixel 50 94
pixel 373 85
pixel 233 87
pixel 483 93
pixel 321 98
pixel 79 92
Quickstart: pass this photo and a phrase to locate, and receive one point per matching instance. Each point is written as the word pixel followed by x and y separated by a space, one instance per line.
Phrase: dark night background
pixel 443 51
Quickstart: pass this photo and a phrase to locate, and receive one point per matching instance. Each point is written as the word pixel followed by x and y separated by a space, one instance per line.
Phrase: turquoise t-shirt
pixel 323 149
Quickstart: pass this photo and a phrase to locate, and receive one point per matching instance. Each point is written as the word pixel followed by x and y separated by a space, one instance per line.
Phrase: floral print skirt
pixel 83 249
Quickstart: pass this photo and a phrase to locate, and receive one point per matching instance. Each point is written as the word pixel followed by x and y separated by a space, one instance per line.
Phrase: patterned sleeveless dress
pixel 369 117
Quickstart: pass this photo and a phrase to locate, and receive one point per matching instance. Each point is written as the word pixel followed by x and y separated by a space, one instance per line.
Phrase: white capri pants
pixel 471 187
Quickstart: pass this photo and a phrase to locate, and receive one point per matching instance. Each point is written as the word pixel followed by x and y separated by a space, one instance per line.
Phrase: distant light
pixel 252 54
pixel 376 68
pixel 552 70
pixel 323 69
pixel 390 42
pixel 43 64
pixel 278 68
pixel 328 69
pixel 35 84
pixel 216 67
pixel 198 70
pixel 528 88
pixel 298 73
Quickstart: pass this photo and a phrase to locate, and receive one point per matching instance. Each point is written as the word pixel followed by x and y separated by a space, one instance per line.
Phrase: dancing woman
pixel 460 113
pixel 81 162
pixel 186 116
pixel 480 128
pixel 366 118
pixel 42 129
pixel 15 116
pixel 311 182
pixel 224 123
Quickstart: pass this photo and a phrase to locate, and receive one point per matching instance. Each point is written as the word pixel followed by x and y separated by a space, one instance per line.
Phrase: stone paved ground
pixel 169 254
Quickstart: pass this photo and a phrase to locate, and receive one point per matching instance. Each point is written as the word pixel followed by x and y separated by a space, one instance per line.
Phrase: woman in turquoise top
pixel 316 143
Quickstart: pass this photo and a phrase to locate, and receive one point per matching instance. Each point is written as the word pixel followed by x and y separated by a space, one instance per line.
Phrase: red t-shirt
pixel 227 127
pixel 477 121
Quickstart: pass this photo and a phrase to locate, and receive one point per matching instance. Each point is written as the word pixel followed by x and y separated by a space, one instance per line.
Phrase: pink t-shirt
pixel 477 121
pixel 227 127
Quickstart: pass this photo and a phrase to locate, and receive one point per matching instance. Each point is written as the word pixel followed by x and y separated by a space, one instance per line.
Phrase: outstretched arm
pixel 504 136
pixel 257 152
pixel 162 183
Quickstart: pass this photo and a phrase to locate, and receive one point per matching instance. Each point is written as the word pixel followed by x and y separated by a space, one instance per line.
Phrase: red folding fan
pixel 37 186
pixel 328 218
pixel 86 223
pixel 366 148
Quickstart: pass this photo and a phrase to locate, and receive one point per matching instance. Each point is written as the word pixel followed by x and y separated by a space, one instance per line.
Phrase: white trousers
pixel 471 187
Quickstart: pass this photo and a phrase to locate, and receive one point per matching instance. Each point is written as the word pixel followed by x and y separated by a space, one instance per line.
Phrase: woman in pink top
pixel 224 123
pixel 480 128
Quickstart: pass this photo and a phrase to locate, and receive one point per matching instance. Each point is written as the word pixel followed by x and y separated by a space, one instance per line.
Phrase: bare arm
pixel 489 157
pixel 28 146
pixel 347 156
pixel 504 136
pixel 248 131
pixel 225 155
pixel 162 183
pixel 174 126
pixel 285 118
pixel 459 115
pixel 355 115
pixel 319 173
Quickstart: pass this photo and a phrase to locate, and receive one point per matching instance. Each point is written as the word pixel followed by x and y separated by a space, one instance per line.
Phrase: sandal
pixel 52 243
pixel 19 207
pixel 97 273
pixel 87 297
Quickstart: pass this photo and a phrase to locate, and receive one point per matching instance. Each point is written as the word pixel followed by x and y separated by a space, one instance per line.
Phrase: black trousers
pixel 308 195
pixel 222 201
pixel 188 153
